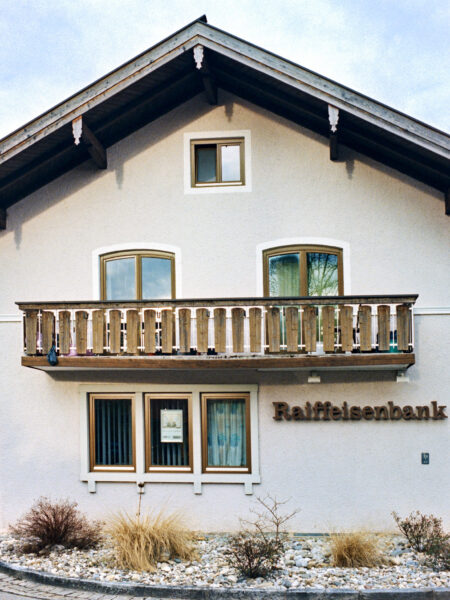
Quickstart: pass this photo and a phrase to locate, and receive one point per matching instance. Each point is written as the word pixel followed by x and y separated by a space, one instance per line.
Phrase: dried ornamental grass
pixel 356 549
pixel 140 542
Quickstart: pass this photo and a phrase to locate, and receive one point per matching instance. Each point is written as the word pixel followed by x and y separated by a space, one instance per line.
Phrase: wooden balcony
pixel 311 333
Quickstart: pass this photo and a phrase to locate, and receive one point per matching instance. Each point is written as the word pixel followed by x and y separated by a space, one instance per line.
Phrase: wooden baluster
pixel 273 328
pixel 64 331
pixel 237 326
pixel 149 331
pixel 291 328
pixel 309 328
pixel 346 323
pixel 255 329
pixel 184 323
pixel 220 330
pixel 81 325
pixel 365 328
pixel 328 328
pixel 115 324
pixel 166 331
pixel 202 316
pixel 98 331
pixel 31 325
pixel 403 327
pixel 133 331
pixel 384 329
pixel 48 330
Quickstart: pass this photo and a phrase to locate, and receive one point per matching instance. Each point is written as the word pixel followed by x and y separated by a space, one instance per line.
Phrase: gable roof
pixel 167 75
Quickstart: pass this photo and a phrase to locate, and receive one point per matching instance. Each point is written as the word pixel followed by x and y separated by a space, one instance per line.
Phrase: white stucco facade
pixel 395 239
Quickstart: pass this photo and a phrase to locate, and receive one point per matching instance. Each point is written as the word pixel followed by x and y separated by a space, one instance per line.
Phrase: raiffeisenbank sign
pixel 327 411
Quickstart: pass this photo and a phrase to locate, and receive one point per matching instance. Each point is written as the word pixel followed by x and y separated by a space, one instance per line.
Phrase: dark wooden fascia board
pixel 210 363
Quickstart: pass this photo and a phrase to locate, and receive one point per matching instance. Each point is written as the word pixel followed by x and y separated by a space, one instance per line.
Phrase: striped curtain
pixel 113 432
pixel 227 445
pixel 168 454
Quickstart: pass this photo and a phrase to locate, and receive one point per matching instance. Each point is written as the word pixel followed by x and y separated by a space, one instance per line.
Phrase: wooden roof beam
pixel 209 84
pixel 83 136
pixel 447 202
pixel 2 218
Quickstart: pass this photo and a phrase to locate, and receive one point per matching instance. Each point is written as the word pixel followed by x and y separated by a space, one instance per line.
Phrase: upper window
pixel 137 275
pixel 303 271
pixel 217 162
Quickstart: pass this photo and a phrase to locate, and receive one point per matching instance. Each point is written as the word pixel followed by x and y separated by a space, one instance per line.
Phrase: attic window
pixel 217 162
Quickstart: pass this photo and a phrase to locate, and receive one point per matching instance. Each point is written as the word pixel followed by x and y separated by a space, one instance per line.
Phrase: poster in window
pixel 172 425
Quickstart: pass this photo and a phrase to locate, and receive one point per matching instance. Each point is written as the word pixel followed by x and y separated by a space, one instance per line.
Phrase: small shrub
pixel 140 542
pixel 426 534
pixel 253 555
pixel 255 550
pixel 49 523
pixel 356 549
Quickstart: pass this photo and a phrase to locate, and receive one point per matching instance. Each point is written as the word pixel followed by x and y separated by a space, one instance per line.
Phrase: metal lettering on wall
pixel 326 411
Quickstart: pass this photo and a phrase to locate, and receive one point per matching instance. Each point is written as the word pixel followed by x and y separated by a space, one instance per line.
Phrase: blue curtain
pixel 226 433
pixel 113 432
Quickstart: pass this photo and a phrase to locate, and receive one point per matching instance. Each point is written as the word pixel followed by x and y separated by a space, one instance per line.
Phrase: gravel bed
pixel 305 563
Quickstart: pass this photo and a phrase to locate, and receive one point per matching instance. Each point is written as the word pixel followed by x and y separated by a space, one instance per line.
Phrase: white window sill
pixel 247 479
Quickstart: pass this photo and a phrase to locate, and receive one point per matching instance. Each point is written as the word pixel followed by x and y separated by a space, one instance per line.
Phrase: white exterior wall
pixel 339 474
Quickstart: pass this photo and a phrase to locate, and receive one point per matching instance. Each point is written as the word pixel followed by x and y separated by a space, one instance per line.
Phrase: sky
pixel 395 51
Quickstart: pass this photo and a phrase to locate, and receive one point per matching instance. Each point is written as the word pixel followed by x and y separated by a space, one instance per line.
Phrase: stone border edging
pixel 210 593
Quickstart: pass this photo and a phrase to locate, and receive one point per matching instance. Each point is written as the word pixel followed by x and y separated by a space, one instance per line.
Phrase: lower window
pixel 226 432
pixel 111 432
pixel 168 431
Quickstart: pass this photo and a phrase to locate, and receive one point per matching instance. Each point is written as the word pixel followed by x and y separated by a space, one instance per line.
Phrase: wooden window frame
pixel 149 468
pixel 302 250
pixel 111 468
pixel 138 255
pixel 205 396
pixel 218 142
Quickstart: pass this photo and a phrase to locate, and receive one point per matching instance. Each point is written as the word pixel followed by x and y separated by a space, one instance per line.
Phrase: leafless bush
pixel 50 523
pixel 426 534
pixel 255 550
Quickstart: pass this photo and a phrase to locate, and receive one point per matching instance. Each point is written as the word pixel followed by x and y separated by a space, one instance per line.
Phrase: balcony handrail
pixel 406 299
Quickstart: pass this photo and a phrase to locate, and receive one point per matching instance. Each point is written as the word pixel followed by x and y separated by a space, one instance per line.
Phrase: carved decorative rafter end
pixel 198 56
pixel 77 129
pixel 333 117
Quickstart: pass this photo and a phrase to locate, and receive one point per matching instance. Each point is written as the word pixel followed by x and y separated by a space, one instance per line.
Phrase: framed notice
pixel 172 425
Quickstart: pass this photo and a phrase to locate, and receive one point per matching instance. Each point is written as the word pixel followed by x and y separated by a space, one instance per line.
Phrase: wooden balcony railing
pixel 227 327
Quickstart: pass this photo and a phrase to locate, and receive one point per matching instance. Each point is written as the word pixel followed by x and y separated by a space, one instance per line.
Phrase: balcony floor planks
pixel 387 361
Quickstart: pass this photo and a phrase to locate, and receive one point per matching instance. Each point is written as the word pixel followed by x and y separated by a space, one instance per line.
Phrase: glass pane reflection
pixel 156 278
pixel 206 164
pixel 322 274
pixel 231 163
pixel 121 279
pixel 284 275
